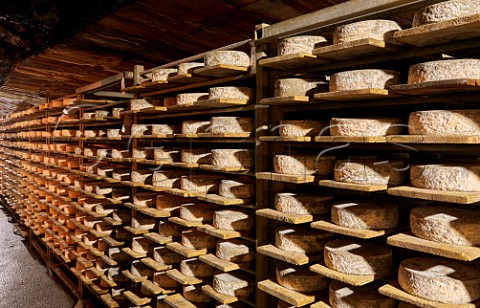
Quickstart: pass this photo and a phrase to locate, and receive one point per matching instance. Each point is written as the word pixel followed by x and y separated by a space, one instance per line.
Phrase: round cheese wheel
pixel 167 155
pixel 198 240
pixel 377 29
pixel 446 177
pixel 235 250
pixel 446 225
pixel 166 256
pixel 301 43
pixel 231 125
pixel 365 215
pixel 200 183
pixel 196 268
pixel 162 74
pixel 233 219
pixel 234 189
pixel 363 79
pixel 195 294
pixel 300 278
pixel 371 127
pixel 231 93
pixel 197 212
pixel 233 284
pixel 196 156
pixel 232 158
pixel 445 122
pixel 286 87
pixel 190 98
pixel 445 10
pixel 164 281
pixel 301 239
pixel 303 164
pixel 342 295
pixel 188 67
pixel 440 280
pixel 169 229
pixel 300 128
pixel 228 57
pixel 369 172
pixel 167 178
pixel 163 129
pixel 195 127
pixel 144 199
pixel 303 203
pixel 444 70
pixel 357 257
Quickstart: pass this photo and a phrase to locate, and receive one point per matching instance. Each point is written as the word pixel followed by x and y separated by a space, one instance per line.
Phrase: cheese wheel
pixel 169 229
pixel 445 11
pixel 369 172
pixel 200 183
pixel 195 127
pixel 143 222
pixel 444 70
pixel 145 198
pixel 440 280
pixel 167 155
pixel 234 189
pixel 300 278
pixel 448 225
pixel 301 239
pixel 162 280
pixel 195 294
pixel 234 219
pixel 163 129
pixel 227 57
pixel 116 112
pixel 190 98
pixel 357 257
pixel 142 176
pixel 141 245
pixel 235 250
pixel 196 268
pixel 188 67
pixel 167 178
pixel 86 116
pixel 119 154
pixel 141 129
pixel 446 177
pixel 445 122
pixel 366 215
pixel 303 164
pixel 233 284
pixel 303 203
pixel 90 133
pixel 231 93
pixel 342 295
pixel 198 240
pixel 300 128
pixel 376 29
pixel 99 114
pixel 366 127
pixel 301 43
pixel 287 87
pixel 142 153
pixel 232 158
pixel 196 156
pixel 363 79
pixel 197 212
pixel 170 203
pixel 231 125
pixel 162 74
pixel 114 132
pixel 139 104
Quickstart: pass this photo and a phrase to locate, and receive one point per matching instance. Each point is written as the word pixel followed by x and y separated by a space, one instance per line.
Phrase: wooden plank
pixel 186 78
pixel 224 169
pixel 130 276
pixel 292 61
pixel 352 186
pixel 149 287
pixel 296 179
pixel 157 238
pixel 394 290
pixel 108 301
pixel 183 192
pixel 408 241
pixel 181 278
pixel 286 217
pixel 353 95
pixel 133 254
pixel 184 251
pixel 441 32
pixel 285 139
pixel 222 234
pixel 224 135
pixel 178 301
pixel 435 195
pixel 354 280
pixel 185 223
pixel 102 84
pixel 290 257
pixel 360 233
pixel 352 139
pixel 437 87
pixel 292 297
pixel 280 101
pixel 221 70
pixel 223 265
pixel 222 102
pixel 220 200
pixel 138 301
pixel 156 266
pixel 355 49
pixel 433 139
pixel 154 212
pixel 221 298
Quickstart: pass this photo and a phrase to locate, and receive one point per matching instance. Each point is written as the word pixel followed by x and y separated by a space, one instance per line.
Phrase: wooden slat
pixel 290 257
pixel 355 49
pixel 292 297
pixel 352 186
pixel 435 195
pixel 286 217
pixel 354 280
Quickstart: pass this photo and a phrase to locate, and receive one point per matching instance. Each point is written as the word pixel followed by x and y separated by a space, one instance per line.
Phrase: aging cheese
pixel 120 154
pixel 231 125
pixel 377 29
pixel 167 202
pixel 342 295
pixel 444 70
pixel 446 177
pixel 169 229
pixel 301 239
pixel 142 245
pixel 144 198
pixel 365 215
pixel 303 164
pixel 300 128
pixel 235 189
pixel 287 87
pixel 196 156
pixel 371 127
pixel 363 79
pixel 198 240
pixel 200 183
pixel 300 44
pixel 448 225
pixel 445 122
pixel 142 153
pixel 303 203
pixel 195 294
pixel 188 67
pixel 233 284
pixel 162 280
pixel 166 256
pixel 196 268
pixel 300 278
pixel 440 280
pixel 143 222
pixel 167 178
pixel 139 104
pixel 195 127
pixel 114 132
pixel 232 158
pixel 167 155
pixel 227 57
pixel 233 219
pixel 231 93
pixel 197 212
pixel 164 129
pixel 358 257
pixel 142 176
pixel 235 250
pixel 100 114
pixel 445 11
pixel 141 129
pixel 190 98
pixel 369 172
pixel 162 74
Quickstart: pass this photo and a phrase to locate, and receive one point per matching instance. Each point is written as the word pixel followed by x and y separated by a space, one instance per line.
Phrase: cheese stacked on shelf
pixel 300 44
pixel 445 10
pixel 376 29
pixel 303 164
pixel 369 172
pixel 370 215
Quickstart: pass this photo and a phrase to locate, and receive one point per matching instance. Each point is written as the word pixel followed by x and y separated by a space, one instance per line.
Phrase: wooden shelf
pixel 221 298
pixel 285 217
pixel 288 62
pixel 223 265
pixel 352 139
pixel 186 78
pixel 296 179
pixel 423 139
pixel 354 280
pixel 291 100
pixel 157 238
pixel 355 49
pixel 359 233
pixel 352 186
pixel 178 301
pixel 181 278
pixel 437 87
pixel 285 139
pixel 220 200
pixel 292 297
pixel 353 95
pixel 222 234
pixel 435 195
pixel 186 252
pixel 221 70
pixel 185 223
pixel 136 300
pixel 156 266
pixel 290 257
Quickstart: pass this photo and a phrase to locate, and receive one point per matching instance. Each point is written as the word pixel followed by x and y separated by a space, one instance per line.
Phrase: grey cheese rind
pixel 301 165
pixel 445 10
pixel 231 93
pixel 300 278
pixel 369 172
pixel 377 29
pixel 196 156
pixel 287 87
pixel 446 177
pixel 342 295
pixel 236 189
pixel 445 122
pixel 303 203
pixel 233 284
pixel 300 44
pixel 366 127
pixel 231 125
pixel 300 128
pixel 301 239
pixel 369 215
pixel 232 158
pixel 227 57
pixel 233 219
pixel 444 70
pixel 363 79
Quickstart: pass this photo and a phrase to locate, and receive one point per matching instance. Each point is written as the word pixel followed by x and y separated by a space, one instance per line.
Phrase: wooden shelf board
pixel 354 280
pixel 150 288
pixel 353 95
pixel 185 223
pixel 441 32
pixel 408 241
pixel 108 301
pixel 221 70
pixel 222 234
pixel 183 192
pixel 353 139
pixel 290 100
pixel 184 251
pixel 224 169
pixel 290 257
pixel 222 102
pixel 181 278
pixel 154 212
pixel 157 238
pixel 223 265
pixel 435 195
pixel 178 301
pixel 292 61
pixel 285 139
pixel 296 179
pixel 130 276
pixel 220 200
pixel 156 266
pixel 292 297
pixel 133 254
pixel 135 231
pixel 186 78
pixel 355 49
pixel 352 186
pixel 360 233
pixel 223 299
pixel 136 300
pixel 224 135
pixel 437 87
pixel 285 217
pixel 434 139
